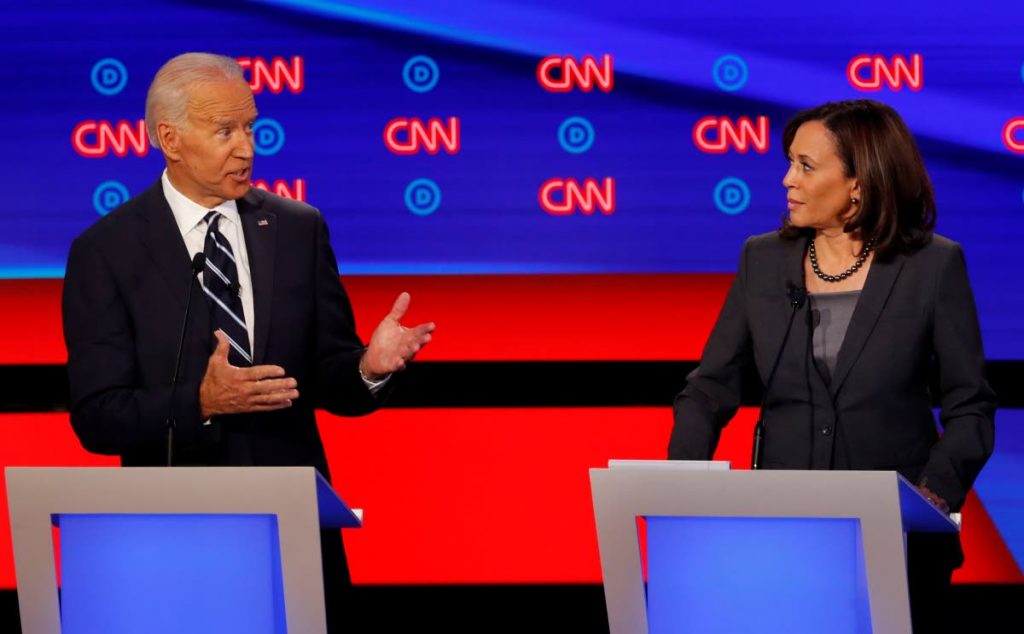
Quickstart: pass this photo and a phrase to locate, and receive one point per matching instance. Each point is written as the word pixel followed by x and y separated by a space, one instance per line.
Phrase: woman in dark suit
pixel 862 304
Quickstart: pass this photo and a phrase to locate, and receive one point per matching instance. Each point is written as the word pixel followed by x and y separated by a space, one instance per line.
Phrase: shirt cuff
pixel 373 386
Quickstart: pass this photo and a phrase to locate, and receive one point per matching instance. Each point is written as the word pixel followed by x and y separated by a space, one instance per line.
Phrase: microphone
pixel 797 298
pixel 797 295
pixel 198 262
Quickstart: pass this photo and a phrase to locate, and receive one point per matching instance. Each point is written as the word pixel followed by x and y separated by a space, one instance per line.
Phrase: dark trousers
pixel 931 560
pixel 337 583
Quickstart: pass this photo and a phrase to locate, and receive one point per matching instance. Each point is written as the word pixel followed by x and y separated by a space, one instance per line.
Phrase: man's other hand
pixel 227 389
pixel 392 345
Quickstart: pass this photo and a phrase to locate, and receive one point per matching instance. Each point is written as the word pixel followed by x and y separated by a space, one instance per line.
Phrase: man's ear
pixel 169 138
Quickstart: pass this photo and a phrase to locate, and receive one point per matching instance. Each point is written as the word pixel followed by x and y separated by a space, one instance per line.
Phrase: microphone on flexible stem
pixel 198 262
pixel 797 297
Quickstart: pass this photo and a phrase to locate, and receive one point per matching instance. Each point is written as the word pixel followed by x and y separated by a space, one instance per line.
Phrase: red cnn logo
pixel 408 136
pixel 583 75
pixel 275 74
pixel 1009 130
pixel 94 139
pixel 296 191
pixel 894 73
pixel 563 196
pixel 740 136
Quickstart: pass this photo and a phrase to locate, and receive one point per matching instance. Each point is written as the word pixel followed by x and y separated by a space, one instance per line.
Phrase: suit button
pixel 826 431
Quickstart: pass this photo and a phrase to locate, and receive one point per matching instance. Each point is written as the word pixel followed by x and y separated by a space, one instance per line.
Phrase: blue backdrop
pixel 674 63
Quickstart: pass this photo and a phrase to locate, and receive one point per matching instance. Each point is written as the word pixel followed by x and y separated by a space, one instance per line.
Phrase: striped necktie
pixel 220 283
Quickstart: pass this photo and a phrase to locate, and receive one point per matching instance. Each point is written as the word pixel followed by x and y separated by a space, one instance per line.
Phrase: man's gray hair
pixel 167 99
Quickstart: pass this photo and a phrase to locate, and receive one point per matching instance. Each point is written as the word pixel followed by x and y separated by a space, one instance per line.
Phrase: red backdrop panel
pixel 479 318
pixel 474 495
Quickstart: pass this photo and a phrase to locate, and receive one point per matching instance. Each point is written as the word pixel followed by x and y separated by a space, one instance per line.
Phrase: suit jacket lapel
pixel 164 243
pixel 166 247
pixel 791 271
pixel 877 288
pixel 260 228
pixel 791 274
pixel 791 267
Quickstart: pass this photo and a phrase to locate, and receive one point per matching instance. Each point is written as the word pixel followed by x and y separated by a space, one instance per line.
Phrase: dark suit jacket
pixel 124 301
pixel 915 312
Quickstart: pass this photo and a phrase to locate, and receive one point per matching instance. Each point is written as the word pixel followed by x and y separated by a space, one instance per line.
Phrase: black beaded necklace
pixel 845 274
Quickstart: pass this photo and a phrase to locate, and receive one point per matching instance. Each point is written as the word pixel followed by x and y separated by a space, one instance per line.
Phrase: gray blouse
pixel 830 314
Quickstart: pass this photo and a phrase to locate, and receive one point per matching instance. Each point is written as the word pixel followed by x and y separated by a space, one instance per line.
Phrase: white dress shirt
pixel 189 217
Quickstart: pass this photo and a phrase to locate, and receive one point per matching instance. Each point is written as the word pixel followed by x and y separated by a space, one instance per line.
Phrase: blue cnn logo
pixel 732 196
pixel 109 76
pixel 576 135
pixel 268 137
pixel 422 197
pixel 109 196
pixel 420 74
pixel 730 72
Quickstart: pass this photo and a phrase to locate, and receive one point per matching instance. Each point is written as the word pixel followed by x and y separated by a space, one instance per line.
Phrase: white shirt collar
pixel 187 213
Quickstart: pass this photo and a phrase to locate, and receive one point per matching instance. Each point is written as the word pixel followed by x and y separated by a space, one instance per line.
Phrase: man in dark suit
pixel 270 335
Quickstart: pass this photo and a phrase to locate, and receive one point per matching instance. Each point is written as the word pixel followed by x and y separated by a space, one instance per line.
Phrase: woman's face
pixel 818 192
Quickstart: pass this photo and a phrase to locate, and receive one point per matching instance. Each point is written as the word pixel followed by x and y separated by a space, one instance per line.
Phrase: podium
pixel 765 551
pixel 183 549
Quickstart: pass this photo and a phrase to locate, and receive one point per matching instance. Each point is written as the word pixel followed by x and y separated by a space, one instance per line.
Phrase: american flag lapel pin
pixel 262 222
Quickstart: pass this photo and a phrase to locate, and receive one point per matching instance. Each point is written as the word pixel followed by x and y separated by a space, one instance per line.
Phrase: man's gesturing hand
pixel 227 389
pixel 392 344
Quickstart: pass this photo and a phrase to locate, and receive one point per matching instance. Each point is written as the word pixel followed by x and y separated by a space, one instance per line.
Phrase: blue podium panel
pixel 170 573
pixel 785 575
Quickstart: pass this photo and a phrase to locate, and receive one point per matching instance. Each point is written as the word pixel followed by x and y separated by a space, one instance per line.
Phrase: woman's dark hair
pixel 897 203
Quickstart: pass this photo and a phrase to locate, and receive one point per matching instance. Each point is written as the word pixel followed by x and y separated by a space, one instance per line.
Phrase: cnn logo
pixel 564 196
pixel 561 74
pixel 869 72
pixel 718 135
pixel 295 191
pixel 1010 136
pixel 95 139
pixel 275 75
pixel 409 136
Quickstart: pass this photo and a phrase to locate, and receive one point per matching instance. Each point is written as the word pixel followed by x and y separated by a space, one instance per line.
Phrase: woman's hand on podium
pixel 934 499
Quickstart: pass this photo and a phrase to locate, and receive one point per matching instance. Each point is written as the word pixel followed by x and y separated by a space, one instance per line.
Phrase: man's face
pixel 210 159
